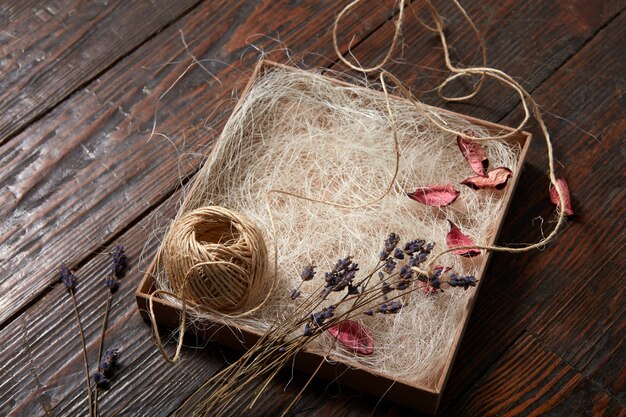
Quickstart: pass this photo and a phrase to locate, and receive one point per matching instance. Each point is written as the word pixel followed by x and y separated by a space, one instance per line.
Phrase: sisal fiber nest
pixel 300 133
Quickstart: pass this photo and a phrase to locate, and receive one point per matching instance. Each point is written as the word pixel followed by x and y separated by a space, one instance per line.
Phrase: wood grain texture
pixel 554 294
pixel 74 179
pixel 518 287
pixel 531 381
pixel 50 48
pixel 544 339
pixel 42 365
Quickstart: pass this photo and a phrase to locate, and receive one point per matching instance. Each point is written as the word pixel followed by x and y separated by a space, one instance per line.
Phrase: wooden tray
pixel 420 398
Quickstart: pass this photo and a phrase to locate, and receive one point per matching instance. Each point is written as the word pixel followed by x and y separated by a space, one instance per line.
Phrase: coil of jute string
pixel 528 104
pixel 215 261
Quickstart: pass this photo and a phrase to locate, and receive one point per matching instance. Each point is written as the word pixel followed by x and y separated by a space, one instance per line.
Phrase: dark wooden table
pixel 80 83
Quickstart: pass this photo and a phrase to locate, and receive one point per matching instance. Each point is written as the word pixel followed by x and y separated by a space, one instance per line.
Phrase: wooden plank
pixel 73 180
pixel 521 38
pixel 510 306
pixel 42 365
pixel 517 286
pixel 584 321
pixel 357 405
pixel 530 291
pixel 532 381
pixel 50 48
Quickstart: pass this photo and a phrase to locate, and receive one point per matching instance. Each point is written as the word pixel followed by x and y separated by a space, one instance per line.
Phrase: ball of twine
pixel 216 259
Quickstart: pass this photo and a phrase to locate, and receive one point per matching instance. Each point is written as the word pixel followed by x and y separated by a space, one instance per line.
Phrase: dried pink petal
pixel 354 336
pixel 554 197
pixel 496 178
pixel 474 154
pixel 436 196
pixel 426 288
pixel 456 238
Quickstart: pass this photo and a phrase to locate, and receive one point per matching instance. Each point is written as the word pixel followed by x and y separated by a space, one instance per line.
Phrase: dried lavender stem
pixel 101 346
pixel 82 339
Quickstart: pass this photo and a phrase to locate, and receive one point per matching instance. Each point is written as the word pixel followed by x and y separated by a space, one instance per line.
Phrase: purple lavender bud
pixel 462 281
pixel 317 318
pixel 294 294
pixel 393 307
pixel 118 261
pixel 101 380
pixel 386 288
pixel 67 277
pixel 308 331
pixel 413 246
pixel 108 363
pixel 435 282
pixel 353 289
pixel 308 273
pixel 405 272
pixel 282 349
pixel 402 285
pixel 390 265
pixel 398 254
pixel 369 312
pixel 381 275
pixel 391 242
pixel 112 282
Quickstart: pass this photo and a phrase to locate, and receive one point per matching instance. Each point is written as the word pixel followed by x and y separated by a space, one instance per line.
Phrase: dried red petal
pixel 497 178
pixel 353 336
pixel 456 238
pixel 426 288
pixel 474 154
pixel 436 196
pixel 554 197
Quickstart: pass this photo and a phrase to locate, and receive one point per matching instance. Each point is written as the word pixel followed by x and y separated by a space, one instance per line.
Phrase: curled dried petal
pixel 436 196
pixel 474 154
pixel 456 238
pixel 497 178
pixel 554 197
pixel 354 336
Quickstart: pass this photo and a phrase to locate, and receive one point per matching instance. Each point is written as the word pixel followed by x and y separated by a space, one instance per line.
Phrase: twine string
pixel 187 280
pixel 529 106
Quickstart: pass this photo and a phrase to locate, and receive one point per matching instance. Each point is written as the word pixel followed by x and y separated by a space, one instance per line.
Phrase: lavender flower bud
pixel 462 281
pixel 392 307
pixel 112 282
pixel 295 294
pixel 67 277
pixel 308 273
pixel 108 363
pixel 390 265
pixel 118 261
pixel 391 242
pixel 101 380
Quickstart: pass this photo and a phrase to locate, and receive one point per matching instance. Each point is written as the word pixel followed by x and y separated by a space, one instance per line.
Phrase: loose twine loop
pixel 529 105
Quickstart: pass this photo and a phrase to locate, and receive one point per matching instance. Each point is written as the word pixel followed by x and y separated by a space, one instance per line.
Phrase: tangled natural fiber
pixel 215 259
pixel 298 139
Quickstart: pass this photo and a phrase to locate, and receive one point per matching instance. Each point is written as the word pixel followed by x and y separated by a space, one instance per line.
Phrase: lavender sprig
pixel 108 362
pixel 68 279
